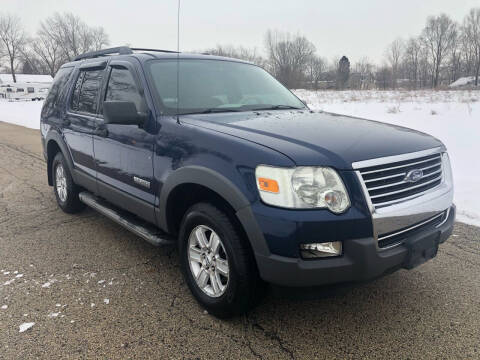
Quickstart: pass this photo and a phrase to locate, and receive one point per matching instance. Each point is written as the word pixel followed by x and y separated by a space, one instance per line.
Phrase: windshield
pixel 208 86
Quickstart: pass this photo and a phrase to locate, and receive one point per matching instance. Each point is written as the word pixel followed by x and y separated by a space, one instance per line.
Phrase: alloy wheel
pixel 61 182
pixel 208 261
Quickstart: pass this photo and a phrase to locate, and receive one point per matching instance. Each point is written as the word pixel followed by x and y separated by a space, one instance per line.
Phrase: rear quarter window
pixel 57 89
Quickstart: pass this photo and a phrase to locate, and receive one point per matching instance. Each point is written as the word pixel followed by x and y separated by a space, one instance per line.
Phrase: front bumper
pixel 361 261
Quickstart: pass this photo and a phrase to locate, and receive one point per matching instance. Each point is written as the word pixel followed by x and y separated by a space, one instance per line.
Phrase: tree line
pixel 443 52
pixel 59 39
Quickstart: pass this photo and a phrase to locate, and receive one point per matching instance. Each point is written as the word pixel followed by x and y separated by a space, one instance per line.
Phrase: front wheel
pixel 217 262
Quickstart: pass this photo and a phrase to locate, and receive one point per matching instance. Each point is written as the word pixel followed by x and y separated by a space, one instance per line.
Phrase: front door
pixel 123 153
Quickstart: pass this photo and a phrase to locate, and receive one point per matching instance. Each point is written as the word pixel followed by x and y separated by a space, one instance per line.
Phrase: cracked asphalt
pixel 94 290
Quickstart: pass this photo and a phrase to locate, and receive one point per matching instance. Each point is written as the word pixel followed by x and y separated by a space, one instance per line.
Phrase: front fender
pixel 219 184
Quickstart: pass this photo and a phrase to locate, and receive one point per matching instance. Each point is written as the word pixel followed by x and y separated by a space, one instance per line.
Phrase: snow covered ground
pixel 24 113
pixel 451 116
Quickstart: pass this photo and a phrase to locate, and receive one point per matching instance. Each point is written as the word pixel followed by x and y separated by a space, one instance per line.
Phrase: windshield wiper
pixel 278 107
pixel 210 111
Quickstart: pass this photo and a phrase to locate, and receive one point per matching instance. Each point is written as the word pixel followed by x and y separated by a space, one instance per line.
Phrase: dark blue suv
pixel 216 156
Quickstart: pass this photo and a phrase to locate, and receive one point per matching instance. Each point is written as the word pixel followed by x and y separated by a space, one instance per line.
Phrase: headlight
pixel 447 169
pixel 302 188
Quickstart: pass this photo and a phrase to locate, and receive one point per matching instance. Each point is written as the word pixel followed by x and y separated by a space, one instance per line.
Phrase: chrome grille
pixel 387 183
pixel 396 237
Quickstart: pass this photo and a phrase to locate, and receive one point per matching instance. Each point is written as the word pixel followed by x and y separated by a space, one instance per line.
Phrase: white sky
pixel 355 28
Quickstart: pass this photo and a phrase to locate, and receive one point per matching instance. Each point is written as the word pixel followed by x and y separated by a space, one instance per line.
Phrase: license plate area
pixel 421 250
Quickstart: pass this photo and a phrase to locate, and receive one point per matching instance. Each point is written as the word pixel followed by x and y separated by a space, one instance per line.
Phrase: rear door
pixel 80 119
pixel 124 153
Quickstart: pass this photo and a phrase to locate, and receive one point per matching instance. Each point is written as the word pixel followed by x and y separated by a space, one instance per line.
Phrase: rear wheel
pixel 66 192
pixel 217 263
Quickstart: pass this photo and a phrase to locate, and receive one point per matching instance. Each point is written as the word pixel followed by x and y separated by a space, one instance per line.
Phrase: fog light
pixel 319 250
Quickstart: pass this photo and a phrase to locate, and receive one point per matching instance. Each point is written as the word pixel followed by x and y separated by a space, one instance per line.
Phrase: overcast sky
pixel 355 28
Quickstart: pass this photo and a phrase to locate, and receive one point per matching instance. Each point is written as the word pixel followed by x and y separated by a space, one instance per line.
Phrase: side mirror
pixel 122 113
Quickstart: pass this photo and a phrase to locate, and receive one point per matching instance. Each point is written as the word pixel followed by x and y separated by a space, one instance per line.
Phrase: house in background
pixel 27 87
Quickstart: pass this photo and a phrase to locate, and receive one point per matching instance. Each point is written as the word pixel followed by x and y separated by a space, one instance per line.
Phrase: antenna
pixel 178 27
pixel 178 60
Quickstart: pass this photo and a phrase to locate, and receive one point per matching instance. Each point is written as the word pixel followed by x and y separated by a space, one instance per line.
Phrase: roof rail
pixel 121 50
pixel 156 50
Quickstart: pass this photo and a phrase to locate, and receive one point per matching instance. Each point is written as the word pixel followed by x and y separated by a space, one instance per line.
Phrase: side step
pixel 139 227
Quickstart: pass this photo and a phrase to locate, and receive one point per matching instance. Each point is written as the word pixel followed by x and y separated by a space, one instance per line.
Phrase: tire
pixel 65 190
pixel 238 292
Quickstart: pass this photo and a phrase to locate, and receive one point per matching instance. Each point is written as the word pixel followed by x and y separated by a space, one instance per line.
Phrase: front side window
pixel 217 86
pixel 85 94
pixel 30 90
pixel 122 87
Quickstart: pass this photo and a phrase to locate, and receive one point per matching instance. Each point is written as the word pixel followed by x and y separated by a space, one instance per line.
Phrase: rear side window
pixel 58 86
pixel 85 93
pixel 122 87
pixel 57 89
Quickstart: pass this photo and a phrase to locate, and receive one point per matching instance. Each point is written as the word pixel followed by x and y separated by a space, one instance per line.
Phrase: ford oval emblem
pixel 414 175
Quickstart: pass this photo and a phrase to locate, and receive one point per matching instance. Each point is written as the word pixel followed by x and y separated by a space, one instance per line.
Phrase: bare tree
pixel 73 36
pixel 454 64
pixel 424 67
pixel 471 30
pixel 46 47
pixel 394 55
pixel 364 72
pixel 384 76
pixel 30 62
pixel 99 38
pixel 438 36
pixel 315 68
pixel 411 58
pixel 240 52
pixel 13 39
pixel 288 56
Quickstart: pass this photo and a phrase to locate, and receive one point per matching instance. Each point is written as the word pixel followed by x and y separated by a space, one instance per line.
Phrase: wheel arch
pixel 54 144
pixel 202 178
pixel 207 185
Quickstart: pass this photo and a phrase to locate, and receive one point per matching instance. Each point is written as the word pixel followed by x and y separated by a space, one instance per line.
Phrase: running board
pixel 139 227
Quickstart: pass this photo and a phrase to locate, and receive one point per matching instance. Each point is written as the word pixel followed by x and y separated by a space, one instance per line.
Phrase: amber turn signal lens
pixel 268 185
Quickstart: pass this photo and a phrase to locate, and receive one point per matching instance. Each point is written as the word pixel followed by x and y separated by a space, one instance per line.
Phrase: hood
pixel 318 138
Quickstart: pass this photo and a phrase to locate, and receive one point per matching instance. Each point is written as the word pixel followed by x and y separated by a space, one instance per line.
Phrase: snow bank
pixel 451 116
pixel 24 113
pixel 463 81
pixel 25 78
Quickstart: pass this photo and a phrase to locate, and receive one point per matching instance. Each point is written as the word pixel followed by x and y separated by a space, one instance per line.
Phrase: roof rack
pixel 120 50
